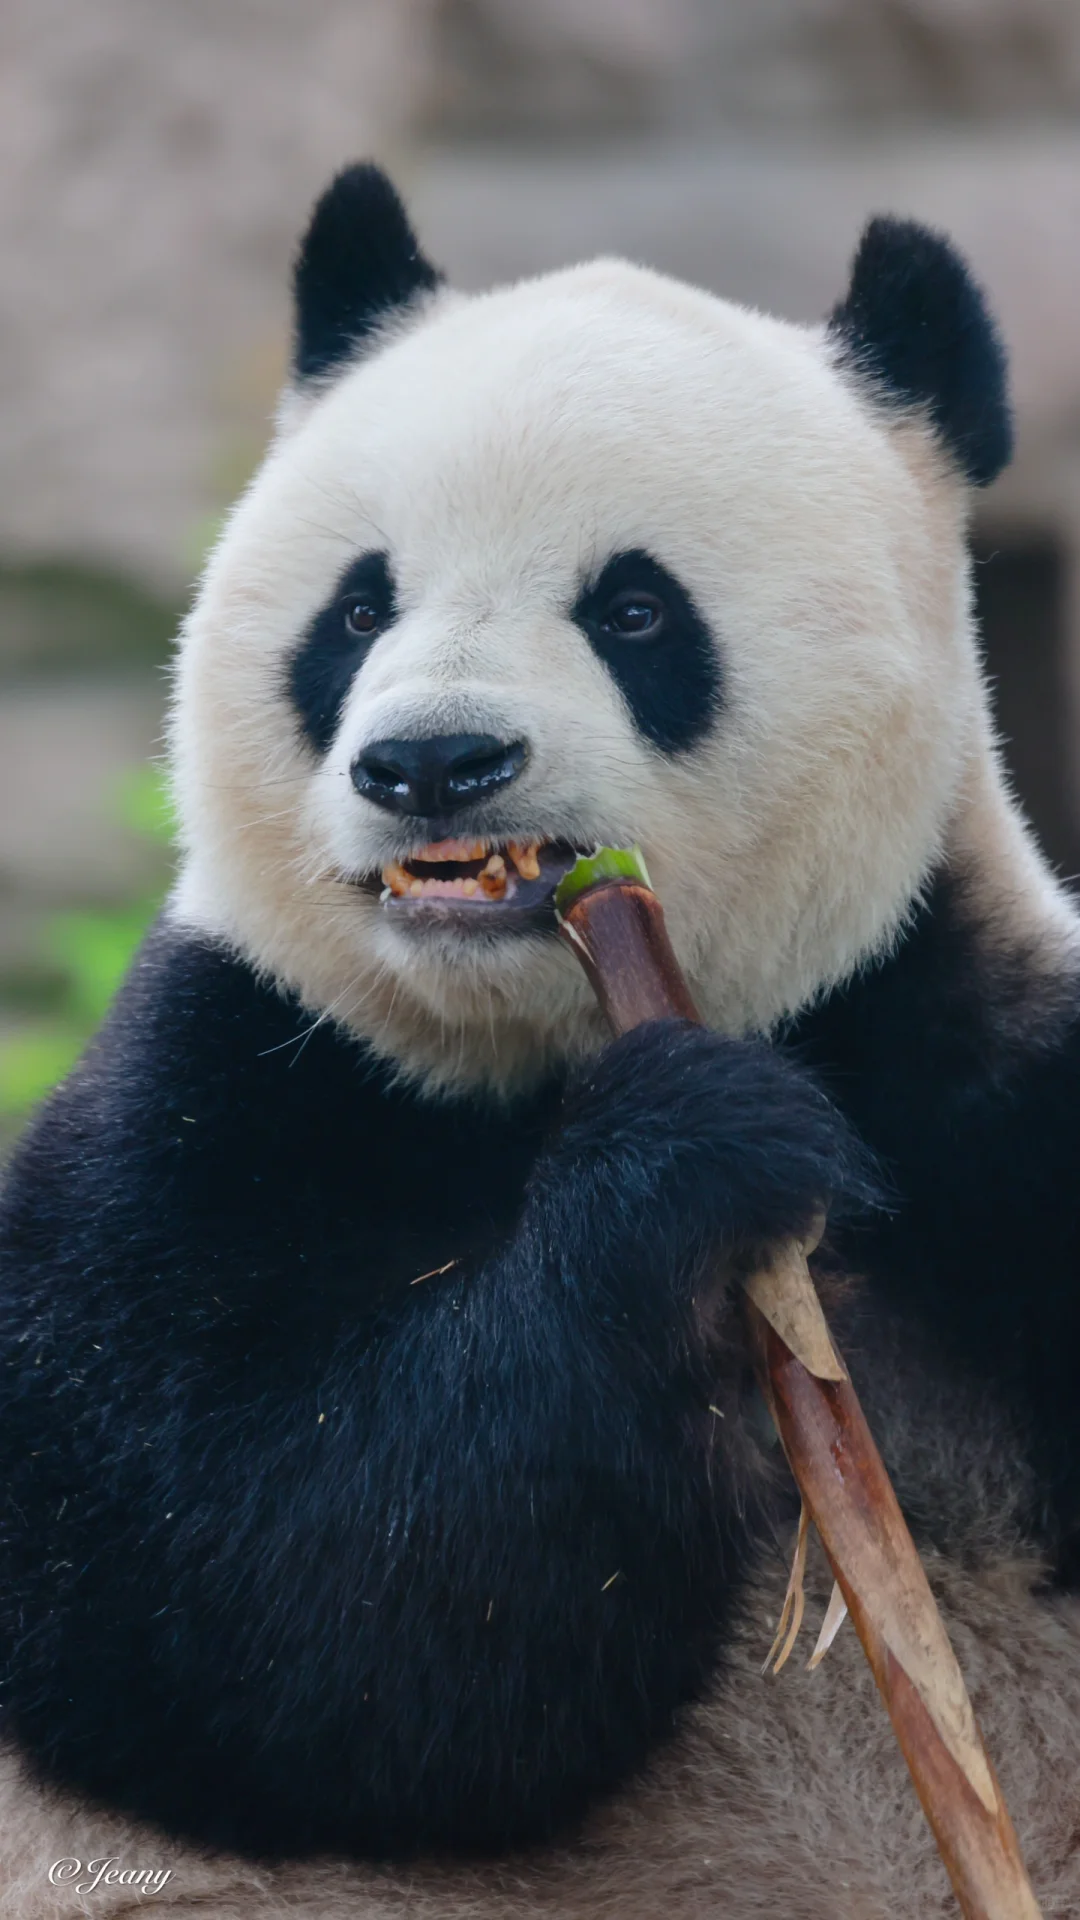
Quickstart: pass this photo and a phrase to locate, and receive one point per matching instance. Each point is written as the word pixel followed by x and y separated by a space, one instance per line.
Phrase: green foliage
pixel 82 957
pixel 31 1063
pixel 142 804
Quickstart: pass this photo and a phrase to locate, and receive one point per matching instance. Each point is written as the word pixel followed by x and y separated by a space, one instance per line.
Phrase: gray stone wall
pixel 592 65
pixel 157 157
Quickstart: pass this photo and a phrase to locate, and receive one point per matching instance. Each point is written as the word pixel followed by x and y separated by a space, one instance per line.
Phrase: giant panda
pixel 390 1521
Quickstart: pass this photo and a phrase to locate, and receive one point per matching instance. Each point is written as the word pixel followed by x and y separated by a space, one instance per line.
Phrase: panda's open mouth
pixel 477 881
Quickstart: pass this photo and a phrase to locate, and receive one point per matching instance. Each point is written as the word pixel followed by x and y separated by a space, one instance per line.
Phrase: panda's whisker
pixel 292 1040
pixel 369 517
pixel 305 1035
pixel 346 493
pixel 264 820
pixel 339 496
pixel 307 525
pixel 255 786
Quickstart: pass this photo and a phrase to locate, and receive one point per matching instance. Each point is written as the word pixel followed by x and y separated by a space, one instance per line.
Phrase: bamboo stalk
pixel 615 926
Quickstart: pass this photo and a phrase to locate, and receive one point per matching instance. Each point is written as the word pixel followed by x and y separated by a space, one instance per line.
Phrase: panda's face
pixel 595 559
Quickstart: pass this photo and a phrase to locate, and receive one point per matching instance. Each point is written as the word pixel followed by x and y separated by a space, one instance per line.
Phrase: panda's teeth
pixel 493 886
pixel 477 873
pixel 497 879
pixel 440 850
pixel 524 857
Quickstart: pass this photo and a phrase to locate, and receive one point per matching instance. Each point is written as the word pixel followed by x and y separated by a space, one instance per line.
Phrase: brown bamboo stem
pixel 617 931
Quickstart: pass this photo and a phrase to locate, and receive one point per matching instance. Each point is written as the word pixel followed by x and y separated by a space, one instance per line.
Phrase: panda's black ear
pixel 915 324
pixel 358 262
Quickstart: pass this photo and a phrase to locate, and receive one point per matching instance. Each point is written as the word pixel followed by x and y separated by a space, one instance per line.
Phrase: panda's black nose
pixel 437 776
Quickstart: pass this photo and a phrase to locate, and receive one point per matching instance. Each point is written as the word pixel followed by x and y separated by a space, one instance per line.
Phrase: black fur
pixel 305 1543
pixel 959 1064
pixel 916 325
pixel 326 662
pixel 359 261
pixel 302 1550
pixel 671 684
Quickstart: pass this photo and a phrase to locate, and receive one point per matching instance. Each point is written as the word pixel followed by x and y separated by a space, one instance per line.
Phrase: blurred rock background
pixel 156 163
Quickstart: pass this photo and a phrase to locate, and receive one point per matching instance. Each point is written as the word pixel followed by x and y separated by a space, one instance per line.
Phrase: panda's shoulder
pixel 973 994
pixel 182 1089
pixel 195 1024
pixel 213 1096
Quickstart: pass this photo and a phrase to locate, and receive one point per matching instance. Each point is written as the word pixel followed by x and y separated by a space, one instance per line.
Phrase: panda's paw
pixel 679 1134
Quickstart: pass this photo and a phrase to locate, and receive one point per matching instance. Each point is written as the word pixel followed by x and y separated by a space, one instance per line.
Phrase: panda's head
pixel 593 558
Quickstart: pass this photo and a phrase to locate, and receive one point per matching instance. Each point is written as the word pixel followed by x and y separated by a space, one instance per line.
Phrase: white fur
pixel 498 448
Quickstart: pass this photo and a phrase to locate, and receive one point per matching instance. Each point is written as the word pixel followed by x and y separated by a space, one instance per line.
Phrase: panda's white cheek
pixel 334 818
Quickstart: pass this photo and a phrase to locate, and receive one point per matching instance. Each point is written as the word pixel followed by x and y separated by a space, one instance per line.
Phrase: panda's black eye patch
pixel 643 625
pixel 335 646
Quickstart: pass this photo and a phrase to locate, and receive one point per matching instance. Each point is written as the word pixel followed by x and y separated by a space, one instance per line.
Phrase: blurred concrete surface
pixel 63 750
pixel 156 163
pixel 773 223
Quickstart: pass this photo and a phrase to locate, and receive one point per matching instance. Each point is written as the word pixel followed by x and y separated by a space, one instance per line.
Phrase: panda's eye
pixel 634 616
pixel 362 620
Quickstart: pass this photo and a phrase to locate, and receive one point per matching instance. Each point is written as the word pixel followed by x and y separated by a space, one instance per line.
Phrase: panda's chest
pixel 356 1188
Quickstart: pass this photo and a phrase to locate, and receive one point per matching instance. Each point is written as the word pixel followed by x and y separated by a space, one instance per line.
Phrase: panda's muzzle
pixel 468 879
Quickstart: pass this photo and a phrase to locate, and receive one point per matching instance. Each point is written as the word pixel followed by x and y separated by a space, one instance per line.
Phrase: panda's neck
pixel 983 974
pixel 1014 904
pixel 957 1059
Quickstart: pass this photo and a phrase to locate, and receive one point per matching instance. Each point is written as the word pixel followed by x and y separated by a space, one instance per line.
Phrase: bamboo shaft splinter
pixel 616 928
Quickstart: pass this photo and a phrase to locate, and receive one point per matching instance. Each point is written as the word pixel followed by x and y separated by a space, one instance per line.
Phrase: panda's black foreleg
pixel 678 1139
pixel 551 1440
pixel 556 1517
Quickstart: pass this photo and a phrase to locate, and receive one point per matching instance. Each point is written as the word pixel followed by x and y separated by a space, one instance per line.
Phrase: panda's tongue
pixel 464 870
